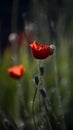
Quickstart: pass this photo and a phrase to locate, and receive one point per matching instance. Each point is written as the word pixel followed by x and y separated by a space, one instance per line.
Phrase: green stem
pixel 41 100
pixel 40 83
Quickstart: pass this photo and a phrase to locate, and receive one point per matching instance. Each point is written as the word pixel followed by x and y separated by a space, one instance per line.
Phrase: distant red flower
pixel 41 51
pixel 20 39
pixel 16 71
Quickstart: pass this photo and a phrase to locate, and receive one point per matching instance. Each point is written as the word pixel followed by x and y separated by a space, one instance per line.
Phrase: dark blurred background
pixel 6 12
pixel 16 12
pixel 26 9
pixel 53 22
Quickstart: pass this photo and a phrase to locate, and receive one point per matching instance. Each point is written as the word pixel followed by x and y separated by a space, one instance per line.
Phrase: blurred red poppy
pixel 20 39
pixel 41 51
pixel 16 71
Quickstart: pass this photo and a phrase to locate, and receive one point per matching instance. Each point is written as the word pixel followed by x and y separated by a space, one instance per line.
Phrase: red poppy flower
pixel 16 71
pixel 41 51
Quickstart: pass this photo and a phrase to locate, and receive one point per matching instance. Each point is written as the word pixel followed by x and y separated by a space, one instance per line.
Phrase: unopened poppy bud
pixel 41 70
pixel 52 47
pixel 36 80
pixel 13 37
pixel 43 92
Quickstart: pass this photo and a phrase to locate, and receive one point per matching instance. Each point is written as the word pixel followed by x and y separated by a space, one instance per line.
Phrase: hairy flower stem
pixel 41 99
pixel 40 85
pixel 60 111
pixel 48 109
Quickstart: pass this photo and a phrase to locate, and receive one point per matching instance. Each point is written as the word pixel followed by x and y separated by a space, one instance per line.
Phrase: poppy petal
pixel 41 51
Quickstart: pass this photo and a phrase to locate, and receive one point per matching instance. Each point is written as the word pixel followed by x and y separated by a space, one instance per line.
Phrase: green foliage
pixel 9 98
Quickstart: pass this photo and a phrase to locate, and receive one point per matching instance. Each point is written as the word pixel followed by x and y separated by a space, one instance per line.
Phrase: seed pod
pixel 36 80
pixel 43 92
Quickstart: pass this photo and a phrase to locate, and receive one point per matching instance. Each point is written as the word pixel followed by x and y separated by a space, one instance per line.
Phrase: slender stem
pixel 42 99
pixel 40 84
